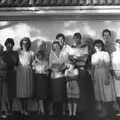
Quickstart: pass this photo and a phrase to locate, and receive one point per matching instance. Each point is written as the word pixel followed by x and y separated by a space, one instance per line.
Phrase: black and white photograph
pixel 59 59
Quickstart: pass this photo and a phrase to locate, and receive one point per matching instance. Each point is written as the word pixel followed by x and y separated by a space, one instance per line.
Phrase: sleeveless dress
pixel 25 75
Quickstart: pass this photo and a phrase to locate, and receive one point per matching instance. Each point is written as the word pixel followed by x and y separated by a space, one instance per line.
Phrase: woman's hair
pixel 27 39
pixel 9 40
pixel 77 35
pixel 1 48
pixel 60 35
pixel 99 43
pixel 56 42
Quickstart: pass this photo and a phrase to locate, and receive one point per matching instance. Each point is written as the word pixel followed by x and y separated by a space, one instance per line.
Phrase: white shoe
pixel 118 114
pixel 4 116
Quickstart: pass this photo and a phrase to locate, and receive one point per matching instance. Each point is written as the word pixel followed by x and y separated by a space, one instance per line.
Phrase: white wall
pixel 47 29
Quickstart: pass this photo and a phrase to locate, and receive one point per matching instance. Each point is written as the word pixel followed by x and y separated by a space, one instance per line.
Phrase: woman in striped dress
pixel 24 73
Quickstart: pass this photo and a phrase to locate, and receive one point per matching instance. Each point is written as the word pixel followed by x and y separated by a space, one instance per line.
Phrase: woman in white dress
pixel 115 59
pixel 24 73
pixel 103 83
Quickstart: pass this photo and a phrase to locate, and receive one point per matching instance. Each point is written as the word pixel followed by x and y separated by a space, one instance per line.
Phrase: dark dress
pixel 11 59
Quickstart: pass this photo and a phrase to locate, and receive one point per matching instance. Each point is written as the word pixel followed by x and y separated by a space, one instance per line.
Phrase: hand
pixel 112 72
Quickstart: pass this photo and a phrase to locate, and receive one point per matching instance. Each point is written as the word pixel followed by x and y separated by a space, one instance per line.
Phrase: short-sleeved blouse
pixel 62 58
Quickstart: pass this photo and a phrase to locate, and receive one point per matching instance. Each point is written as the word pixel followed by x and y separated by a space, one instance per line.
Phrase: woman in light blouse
pixel 57 60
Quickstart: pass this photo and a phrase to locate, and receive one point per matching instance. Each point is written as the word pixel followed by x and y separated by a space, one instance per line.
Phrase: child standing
pixel 73 92
pixel 41 79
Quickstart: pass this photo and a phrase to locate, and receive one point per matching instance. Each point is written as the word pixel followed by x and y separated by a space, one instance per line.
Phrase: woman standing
pixel 58 84
pixel 11 59
pixel 103 84
pixel 3 89
pixel 40 66
pixel 116 69
pixel 24 73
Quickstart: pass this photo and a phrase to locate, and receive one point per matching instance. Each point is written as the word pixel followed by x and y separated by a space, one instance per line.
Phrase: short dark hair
pixel 106 30
pixel 60 35
pixel 9 40
pixel 77 34
pixel 27 39
pixel 99 42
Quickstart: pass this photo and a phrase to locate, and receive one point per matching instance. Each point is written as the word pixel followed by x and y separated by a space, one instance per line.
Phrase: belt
pixel 56 75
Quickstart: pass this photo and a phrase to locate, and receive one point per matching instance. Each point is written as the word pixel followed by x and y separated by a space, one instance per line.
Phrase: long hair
pixel 27 39
pixel 99 43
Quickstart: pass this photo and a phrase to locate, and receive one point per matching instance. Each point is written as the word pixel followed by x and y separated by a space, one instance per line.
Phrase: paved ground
pixel 81 116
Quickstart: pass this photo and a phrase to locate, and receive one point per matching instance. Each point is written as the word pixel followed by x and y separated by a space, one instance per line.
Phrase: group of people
pixel 59 2
pixel 69 78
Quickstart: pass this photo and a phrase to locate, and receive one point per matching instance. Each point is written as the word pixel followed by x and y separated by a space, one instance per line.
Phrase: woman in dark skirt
pixel 3 90
pixel 11 59
pixel 58 82
pixel 41 79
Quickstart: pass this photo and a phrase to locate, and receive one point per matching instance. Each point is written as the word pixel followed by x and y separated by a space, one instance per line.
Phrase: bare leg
pixel 3 106
pixel 41 106
pixel 64 108
pixel 70 108
pixel 51 109
pixel 74 109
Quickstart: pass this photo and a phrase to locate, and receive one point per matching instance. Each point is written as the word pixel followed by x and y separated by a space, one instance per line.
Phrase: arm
pixel 107 59
pixel 93 62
